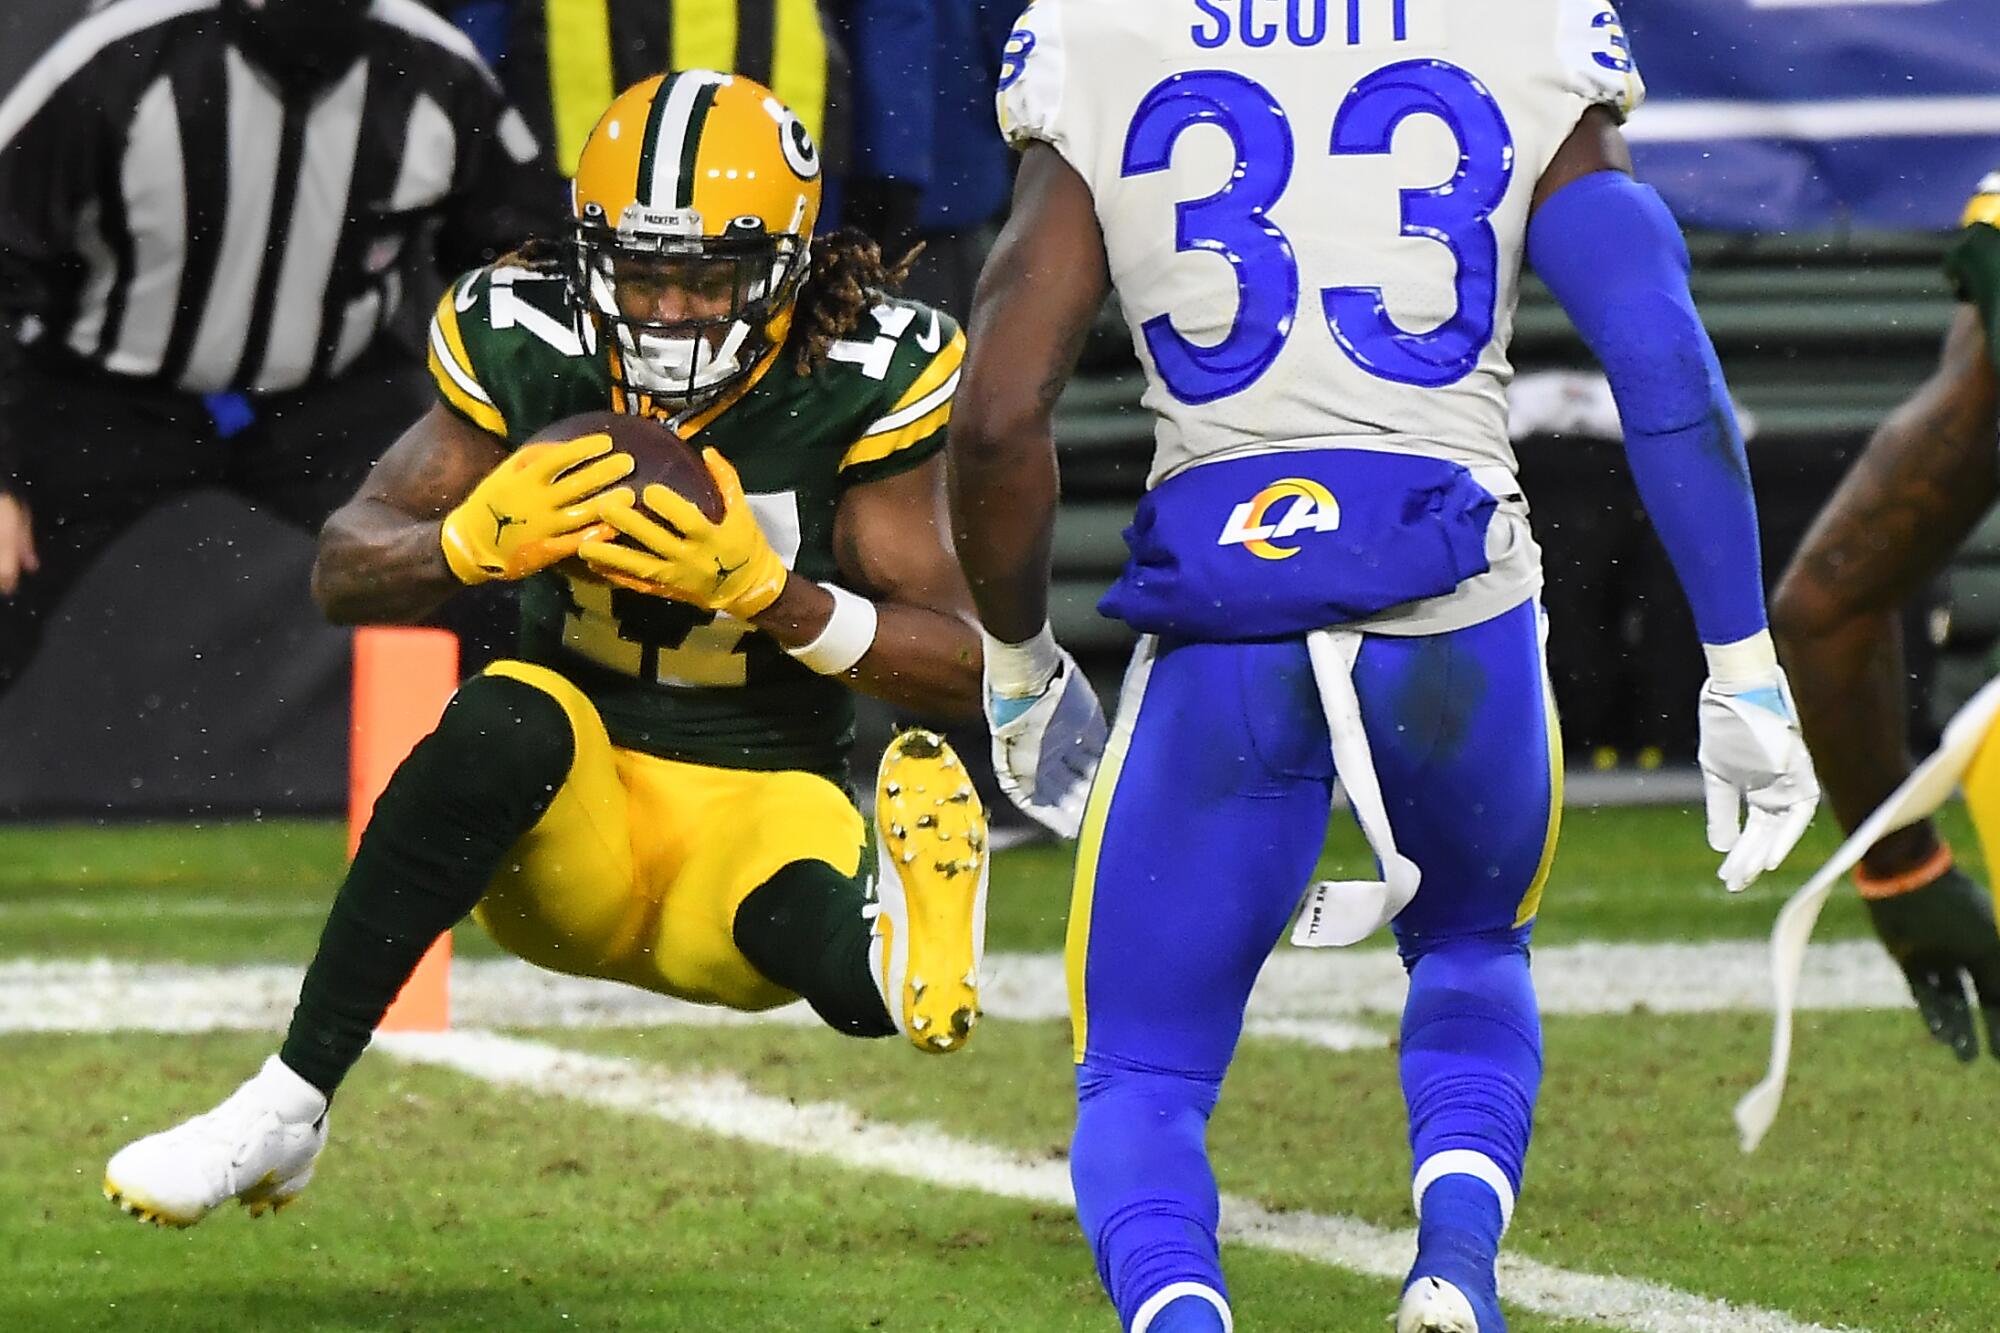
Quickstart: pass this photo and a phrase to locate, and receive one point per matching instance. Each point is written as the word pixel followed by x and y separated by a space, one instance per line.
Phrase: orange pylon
pixel 403 678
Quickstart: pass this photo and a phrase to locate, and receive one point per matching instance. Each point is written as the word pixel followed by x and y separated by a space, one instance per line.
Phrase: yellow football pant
pixel 1981 785
pixel 636 870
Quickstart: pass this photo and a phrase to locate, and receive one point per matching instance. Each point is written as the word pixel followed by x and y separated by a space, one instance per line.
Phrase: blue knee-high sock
pixel 1471 1065
pixel 1145 1195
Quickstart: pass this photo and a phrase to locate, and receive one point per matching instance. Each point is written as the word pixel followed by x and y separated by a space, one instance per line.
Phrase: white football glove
pixel 1048 737
pixel 1751 751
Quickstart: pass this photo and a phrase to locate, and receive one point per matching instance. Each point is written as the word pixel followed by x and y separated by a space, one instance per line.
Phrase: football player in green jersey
pixel 650 793
pixel 1928 476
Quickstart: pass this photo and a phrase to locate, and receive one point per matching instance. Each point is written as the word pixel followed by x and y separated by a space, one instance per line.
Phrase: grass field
pixel 682 1175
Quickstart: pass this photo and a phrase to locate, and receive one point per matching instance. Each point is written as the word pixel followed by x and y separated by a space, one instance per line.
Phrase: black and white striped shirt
pixel 167 215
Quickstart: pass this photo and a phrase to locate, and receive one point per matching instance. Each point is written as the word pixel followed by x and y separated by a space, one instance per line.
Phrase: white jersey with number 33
pixel 1315 209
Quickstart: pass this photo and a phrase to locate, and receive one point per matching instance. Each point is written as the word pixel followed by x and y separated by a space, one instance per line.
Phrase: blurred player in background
pixel 1929 474
pixel 208 213
pixel 1314 226
pixel 652 792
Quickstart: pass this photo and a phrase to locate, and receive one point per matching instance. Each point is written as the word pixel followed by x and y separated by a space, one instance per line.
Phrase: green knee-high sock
pixel 465 795
pixel 803 928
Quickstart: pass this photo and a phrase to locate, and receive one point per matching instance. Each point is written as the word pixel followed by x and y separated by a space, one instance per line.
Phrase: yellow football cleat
pixel 930 891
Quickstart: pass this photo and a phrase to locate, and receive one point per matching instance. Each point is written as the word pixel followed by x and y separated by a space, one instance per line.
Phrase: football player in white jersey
pixel 1313 214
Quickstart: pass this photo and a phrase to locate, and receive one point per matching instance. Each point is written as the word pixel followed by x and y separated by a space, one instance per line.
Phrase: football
pixel 658 455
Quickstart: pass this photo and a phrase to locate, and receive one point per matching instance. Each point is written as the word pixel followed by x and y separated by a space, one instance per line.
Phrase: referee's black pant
pixel 99 452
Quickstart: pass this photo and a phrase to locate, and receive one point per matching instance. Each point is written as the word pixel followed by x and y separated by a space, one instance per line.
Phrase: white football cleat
pixel 258 1146
pixel 1432 1305
pixel 930 892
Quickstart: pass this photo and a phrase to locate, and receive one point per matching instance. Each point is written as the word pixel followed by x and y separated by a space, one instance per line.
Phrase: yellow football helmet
pixel 695 199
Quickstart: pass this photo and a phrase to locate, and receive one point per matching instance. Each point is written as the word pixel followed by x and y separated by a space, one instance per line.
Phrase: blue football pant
pixel 1204 827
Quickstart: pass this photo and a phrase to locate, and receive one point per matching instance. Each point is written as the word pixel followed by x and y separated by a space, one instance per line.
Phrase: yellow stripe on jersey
pixel 875 448
pixel 942 367
pixel 921 412
pixel 580 78
pixel 452 368
pixel 1983 208
pixel 798 63
pixel 704 35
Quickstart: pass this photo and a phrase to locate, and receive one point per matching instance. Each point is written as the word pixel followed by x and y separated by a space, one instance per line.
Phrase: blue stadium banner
pixel 1790 115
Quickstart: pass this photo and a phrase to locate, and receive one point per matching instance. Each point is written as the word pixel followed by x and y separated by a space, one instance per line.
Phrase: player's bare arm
pixel 1037 296
pixel 1596 144
pixel 17 543
pixel 380 558
pixel 449 506
pixel 889 539
pixel 1925 479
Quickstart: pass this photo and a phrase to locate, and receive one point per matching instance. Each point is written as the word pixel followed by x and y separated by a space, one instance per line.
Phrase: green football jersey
pixel 668 678
pixel 1973 261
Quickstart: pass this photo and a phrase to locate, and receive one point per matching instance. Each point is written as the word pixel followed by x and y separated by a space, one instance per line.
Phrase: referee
pixel 211 212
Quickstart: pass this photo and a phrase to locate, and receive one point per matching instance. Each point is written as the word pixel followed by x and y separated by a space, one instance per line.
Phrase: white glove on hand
pixel 1751 751
pixel 1048 737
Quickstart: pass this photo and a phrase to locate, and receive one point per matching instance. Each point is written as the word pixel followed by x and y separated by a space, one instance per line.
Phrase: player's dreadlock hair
pixel 848 277
pixel 541 254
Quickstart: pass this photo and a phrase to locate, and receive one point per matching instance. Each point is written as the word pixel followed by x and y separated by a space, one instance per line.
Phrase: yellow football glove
pixel 531 510
pixel 726 566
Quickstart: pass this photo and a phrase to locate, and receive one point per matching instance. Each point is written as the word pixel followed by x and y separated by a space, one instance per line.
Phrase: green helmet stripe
pixel 691 144
pixel 651 141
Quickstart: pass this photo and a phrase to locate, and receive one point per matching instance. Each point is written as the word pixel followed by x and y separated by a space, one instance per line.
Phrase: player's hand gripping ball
pixel 688 533
pixel 660 457
pixel 534 509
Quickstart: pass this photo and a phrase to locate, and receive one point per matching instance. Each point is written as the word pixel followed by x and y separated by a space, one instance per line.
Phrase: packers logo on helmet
pixel 695 199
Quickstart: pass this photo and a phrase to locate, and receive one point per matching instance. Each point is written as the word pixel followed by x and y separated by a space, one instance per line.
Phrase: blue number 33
pixel 1235 223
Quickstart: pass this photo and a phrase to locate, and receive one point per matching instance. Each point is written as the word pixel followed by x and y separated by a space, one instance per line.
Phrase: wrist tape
pixel 849 634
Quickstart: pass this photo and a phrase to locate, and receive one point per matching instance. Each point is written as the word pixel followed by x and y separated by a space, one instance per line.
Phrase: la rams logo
pixel 1312 509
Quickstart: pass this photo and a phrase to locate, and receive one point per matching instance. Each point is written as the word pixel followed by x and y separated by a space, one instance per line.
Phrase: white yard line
pixel 103 907
pixel 1336 1000
pixel 727 1106
pixel 1315 998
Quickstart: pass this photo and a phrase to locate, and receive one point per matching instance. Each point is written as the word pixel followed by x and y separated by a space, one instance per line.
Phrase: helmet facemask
pixel 683 315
